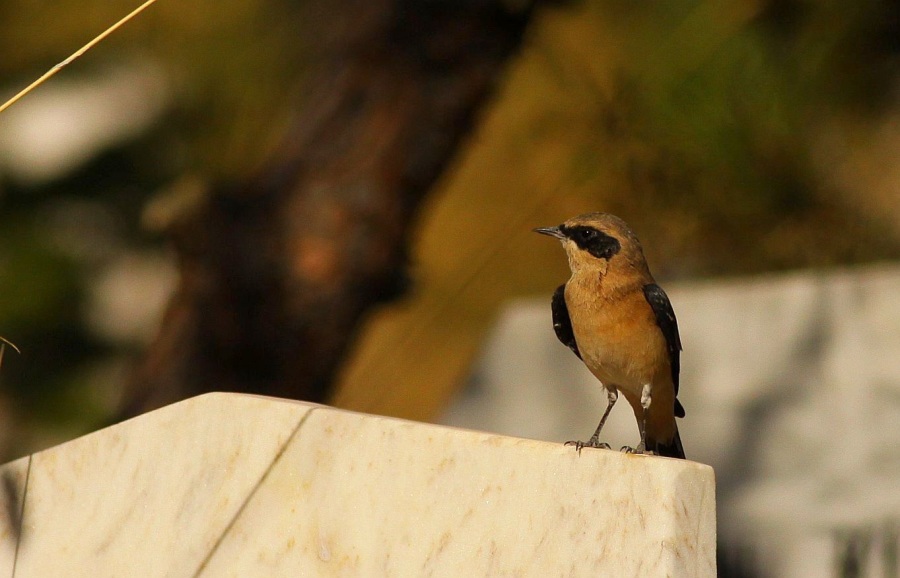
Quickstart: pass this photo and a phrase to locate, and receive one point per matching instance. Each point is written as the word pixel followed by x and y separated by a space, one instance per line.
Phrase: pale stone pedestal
pixel 236 485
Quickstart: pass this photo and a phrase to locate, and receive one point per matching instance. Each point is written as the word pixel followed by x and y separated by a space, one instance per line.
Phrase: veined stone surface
pixel 237 485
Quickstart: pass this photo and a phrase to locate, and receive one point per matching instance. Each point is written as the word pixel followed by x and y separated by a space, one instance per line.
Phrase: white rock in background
pixel 128 297
pixel 66 122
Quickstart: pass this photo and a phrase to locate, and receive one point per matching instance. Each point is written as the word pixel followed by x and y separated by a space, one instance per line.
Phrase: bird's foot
pixel 640 449
pixel 591 443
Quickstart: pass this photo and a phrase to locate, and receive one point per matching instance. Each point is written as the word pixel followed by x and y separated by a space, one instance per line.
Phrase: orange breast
pixel 623 347
pixel 618 338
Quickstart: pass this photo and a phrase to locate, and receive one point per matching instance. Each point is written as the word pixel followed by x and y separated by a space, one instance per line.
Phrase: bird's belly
pixel 615 368
pixel 620 355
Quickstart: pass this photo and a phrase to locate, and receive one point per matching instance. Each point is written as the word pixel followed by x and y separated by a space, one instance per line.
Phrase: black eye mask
pixel 595 242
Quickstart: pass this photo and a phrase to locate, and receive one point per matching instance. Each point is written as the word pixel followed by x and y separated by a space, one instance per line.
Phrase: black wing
pixel 562 324
pixel 665 319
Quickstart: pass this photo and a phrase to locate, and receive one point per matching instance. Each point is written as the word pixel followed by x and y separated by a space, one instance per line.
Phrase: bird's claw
pixel 638 450
pixel 588 444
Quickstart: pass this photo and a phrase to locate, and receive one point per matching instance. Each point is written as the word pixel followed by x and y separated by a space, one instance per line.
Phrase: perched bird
pixel 620 323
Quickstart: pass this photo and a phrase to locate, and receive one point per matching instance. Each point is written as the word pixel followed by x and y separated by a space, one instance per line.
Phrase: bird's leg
pixel 612 394
pixel 646 399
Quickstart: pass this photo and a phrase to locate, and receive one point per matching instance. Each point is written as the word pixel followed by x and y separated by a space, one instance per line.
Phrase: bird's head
pixel 598 242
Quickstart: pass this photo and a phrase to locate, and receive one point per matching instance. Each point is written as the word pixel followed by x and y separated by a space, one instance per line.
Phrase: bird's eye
pixel 588 234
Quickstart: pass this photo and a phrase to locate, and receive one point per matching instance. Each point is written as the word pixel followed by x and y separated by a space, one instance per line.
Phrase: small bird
pixel 620 323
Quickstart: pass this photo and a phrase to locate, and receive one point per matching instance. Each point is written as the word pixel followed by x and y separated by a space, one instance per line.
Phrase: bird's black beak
pixel 551 231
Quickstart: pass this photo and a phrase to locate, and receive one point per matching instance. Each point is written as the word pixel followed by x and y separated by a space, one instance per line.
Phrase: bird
pixel 620 323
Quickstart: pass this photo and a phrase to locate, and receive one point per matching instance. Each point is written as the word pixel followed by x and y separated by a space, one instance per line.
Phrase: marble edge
pixel 14 477
pixel 478 436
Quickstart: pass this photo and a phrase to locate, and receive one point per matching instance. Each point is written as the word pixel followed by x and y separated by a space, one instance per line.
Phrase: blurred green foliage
pixel 704 118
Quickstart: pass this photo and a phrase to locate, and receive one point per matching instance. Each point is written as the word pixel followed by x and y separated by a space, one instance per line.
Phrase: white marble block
pixel 237 485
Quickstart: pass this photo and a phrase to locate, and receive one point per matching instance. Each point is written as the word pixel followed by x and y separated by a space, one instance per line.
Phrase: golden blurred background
pixel 735 137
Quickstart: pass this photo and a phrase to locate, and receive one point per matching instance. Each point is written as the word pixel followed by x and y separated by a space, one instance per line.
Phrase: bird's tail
pixel 673 449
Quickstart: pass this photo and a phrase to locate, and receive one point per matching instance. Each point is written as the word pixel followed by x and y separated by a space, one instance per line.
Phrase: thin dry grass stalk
pixel 97 39
pixel 3 343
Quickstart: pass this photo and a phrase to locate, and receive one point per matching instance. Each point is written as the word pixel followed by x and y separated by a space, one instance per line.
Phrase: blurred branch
pixel 278 270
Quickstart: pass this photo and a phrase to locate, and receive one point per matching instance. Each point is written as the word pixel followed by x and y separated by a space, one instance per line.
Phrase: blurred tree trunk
pixel 278 271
